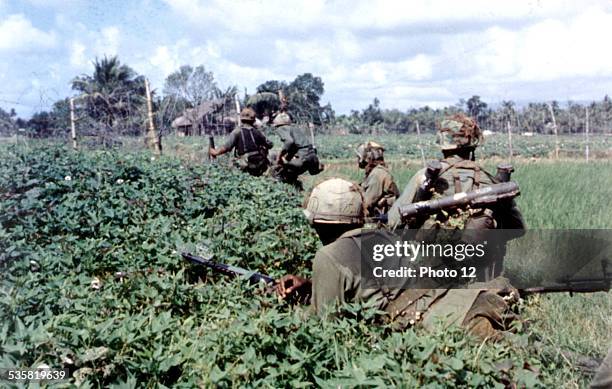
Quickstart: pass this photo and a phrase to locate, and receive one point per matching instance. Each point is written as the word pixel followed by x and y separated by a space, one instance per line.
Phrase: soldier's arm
pixel 373 187
pixel 216 152
pixel 330 281
pixel 407 197
pixel 288 143
pixel 511 218
pixel 231 142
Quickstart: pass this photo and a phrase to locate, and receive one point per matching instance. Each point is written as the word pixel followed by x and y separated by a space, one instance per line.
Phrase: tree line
pixel 111 101
pixel 532 118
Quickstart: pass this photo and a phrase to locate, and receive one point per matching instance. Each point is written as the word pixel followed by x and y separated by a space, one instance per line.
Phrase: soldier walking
pixel 250 146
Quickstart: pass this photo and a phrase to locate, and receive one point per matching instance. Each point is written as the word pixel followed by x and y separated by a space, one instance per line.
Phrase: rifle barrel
pixel 600 286
pixel 229 270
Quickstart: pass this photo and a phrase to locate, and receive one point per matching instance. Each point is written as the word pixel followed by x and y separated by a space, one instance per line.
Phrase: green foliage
pixel 113 96
pixel 303 98
pixel 69 222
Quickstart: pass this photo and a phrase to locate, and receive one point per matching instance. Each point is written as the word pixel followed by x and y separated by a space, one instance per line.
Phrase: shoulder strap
pixel 463 164
pixel 247 147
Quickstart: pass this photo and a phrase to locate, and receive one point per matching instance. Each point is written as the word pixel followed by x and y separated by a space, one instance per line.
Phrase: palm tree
pixel 114 93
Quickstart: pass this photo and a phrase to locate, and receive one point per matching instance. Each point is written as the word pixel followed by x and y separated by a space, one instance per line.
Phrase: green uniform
pixel 460 175
pixel 299 153
pixel 337 279
pixel 457 175
pixel 379 190
pixel 250 149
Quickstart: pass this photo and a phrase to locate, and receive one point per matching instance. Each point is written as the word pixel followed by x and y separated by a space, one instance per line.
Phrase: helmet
pixel 368 152
pixel 247 115
pixel 282 119
pixel 458 131
pixel 335 201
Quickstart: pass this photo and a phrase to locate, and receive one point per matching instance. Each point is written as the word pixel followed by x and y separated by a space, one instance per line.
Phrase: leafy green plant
pixel 91 280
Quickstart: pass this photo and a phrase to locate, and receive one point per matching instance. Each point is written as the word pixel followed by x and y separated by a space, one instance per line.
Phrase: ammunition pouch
pixel 254 162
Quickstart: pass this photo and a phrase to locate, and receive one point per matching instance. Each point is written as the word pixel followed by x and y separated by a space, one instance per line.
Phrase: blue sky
pixel 408 54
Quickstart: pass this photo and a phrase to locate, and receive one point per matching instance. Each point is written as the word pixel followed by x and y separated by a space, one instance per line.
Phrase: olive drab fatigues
pixel 461 175
pixel 482 308
pixel 458 175
pixel 250 149
pixel 300 154
pixel 379 190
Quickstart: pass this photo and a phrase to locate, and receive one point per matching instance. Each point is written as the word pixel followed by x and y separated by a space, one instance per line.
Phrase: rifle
pixel 228 270
pixel 475 199
pixel 576 285
pixel 211 145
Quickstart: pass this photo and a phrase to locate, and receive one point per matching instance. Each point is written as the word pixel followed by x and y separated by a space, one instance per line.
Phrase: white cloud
pixel 18 34
pixel 405 53
pixel 77 54
pixel 108 41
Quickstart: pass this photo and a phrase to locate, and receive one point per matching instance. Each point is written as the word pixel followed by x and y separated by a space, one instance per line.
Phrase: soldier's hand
pixel 290 284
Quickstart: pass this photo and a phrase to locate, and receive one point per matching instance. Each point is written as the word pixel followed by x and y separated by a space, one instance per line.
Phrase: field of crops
pixel 91 280
pixel 496 145
pixel 409 146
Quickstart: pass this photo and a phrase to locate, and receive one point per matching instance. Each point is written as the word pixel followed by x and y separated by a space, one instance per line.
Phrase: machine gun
pixel 476 199
pixel 229 270
pixel 576 285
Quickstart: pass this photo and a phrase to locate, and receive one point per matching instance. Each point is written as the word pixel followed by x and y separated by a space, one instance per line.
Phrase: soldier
pixel 336 211
pixel 458 137
pixel 378 186
pixel 249 144
pixel 298 154
pixel 458 172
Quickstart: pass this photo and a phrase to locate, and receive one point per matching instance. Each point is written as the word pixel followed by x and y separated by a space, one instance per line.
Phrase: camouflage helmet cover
pixel 335 201
pixel 282 119
pixel 247 115
pixel 368 152
pixel 458 131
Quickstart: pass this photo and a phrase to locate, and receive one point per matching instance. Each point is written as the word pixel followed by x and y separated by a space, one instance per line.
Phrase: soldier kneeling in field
pixel 336 211
pixel 458 172
pixel 298 154
pixel 378 186
pixel 249 144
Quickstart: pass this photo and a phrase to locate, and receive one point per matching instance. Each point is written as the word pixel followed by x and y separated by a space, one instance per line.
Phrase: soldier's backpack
pixel 251 154
pixel 455 177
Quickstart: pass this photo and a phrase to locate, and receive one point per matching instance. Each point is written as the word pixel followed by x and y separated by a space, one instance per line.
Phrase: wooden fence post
pixel 418 130
pixel 586 134
pixel 509 139
pixel 552 114
pixel 73 125
pixel 151 139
